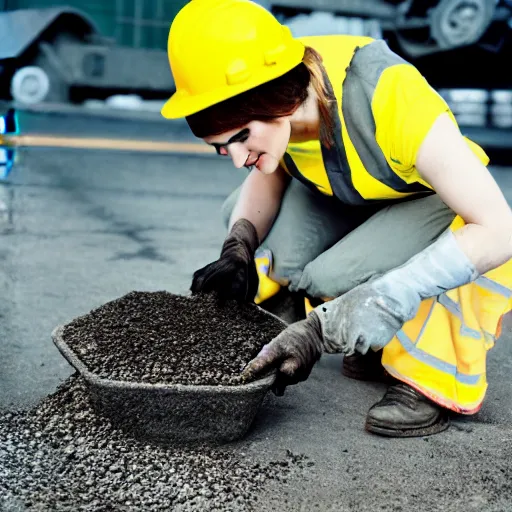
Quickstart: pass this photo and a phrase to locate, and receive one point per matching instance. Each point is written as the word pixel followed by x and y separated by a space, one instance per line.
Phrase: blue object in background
pixel 6 162
pixel 8 126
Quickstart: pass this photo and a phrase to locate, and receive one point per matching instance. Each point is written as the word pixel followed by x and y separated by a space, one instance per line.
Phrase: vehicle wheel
pixel 30 85
pixel 460 22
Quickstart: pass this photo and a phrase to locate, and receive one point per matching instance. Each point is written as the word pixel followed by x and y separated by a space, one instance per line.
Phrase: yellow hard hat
pixel 221 48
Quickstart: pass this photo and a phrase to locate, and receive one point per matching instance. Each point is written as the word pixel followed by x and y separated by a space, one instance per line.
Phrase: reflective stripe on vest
pixel 435 362
pixel 453 308
pixel 411 346
pixel 335 159
pixel 493 286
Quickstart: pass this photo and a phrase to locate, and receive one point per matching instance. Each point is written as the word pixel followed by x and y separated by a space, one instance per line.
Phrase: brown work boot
pixel 364 366
pixel 403 412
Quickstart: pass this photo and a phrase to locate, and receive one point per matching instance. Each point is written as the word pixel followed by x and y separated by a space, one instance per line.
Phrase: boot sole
pixel 440 424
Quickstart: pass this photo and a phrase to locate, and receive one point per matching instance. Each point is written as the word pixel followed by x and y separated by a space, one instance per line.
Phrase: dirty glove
pixel 233 275
pixel 368 316
pixel 293 352
pixel 371 314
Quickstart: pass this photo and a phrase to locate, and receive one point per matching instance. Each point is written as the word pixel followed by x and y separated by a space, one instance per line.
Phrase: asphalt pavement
pixel 80 228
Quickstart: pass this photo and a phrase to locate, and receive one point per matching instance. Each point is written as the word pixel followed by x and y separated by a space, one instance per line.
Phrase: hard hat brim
pixel 181 104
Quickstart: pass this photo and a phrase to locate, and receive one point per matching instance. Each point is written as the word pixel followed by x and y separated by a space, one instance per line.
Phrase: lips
pixel 253 162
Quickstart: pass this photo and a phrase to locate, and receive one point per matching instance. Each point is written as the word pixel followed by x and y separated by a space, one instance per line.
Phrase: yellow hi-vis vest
pixel 383 110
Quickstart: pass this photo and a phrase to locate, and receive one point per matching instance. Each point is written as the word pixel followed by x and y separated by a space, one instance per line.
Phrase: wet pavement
pixel 80 228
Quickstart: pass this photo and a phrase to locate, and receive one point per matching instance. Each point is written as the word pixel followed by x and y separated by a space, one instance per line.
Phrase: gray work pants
pixel 324 248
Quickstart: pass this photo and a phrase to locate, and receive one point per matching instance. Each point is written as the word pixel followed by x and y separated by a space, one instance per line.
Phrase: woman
pixel 369 199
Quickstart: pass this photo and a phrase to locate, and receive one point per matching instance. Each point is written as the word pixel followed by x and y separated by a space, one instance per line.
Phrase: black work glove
pixel 233 275
pixel 293 352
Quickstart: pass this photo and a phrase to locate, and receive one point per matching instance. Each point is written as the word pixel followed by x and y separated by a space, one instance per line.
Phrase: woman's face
pixel 259 144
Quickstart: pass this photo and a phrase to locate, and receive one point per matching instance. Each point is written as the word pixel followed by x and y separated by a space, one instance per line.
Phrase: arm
pixel 260 199
pixel 420 137
pixel 445 161
pixel 457 258
pixel 234 275
pixel 372 313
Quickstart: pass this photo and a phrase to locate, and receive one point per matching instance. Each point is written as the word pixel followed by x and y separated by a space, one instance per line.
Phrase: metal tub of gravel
pixel 166 368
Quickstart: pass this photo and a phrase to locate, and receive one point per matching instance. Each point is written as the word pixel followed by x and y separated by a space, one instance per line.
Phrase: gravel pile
pixel 159 337
pixel 61 457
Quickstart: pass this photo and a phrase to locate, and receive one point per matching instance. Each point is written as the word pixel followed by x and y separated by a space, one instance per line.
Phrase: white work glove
pixel 370 315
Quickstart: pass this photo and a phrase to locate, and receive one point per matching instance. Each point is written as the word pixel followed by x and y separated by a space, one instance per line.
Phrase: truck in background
pixel 58 55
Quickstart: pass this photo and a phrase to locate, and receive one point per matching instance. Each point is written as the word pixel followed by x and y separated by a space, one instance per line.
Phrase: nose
pixel 238 154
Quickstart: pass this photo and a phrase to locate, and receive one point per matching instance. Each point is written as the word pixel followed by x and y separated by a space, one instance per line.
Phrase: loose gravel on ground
pixel 61 457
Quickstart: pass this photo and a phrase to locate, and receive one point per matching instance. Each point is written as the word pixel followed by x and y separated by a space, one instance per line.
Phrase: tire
pixel 30 85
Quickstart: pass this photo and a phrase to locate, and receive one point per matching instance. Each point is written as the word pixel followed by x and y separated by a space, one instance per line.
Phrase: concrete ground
pixel 81 227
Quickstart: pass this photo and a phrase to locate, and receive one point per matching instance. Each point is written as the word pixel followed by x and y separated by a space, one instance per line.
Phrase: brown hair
pixel 278 98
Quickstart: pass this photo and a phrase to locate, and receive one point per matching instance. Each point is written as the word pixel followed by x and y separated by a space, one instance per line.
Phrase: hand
pixel 370 315
pixel 233 275
pixel 293 352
